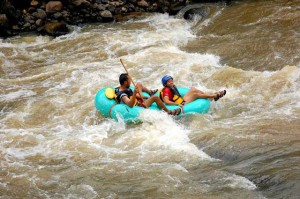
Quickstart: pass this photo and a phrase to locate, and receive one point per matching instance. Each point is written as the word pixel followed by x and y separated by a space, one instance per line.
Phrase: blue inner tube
pixel 111 109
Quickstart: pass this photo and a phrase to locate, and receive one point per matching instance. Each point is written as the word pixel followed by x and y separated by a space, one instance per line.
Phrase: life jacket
pixel 120 94
pixel 177 98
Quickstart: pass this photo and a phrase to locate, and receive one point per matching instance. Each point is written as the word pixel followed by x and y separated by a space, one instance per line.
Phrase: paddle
pixel 133 82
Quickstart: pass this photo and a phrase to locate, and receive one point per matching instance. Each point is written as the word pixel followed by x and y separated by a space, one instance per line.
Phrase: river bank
pixel 52 17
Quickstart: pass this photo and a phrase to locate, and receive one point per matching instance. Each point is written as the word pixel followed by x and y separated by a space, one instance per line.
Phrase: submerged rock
pixel 200 12
pixel 132 15
pixel 56 28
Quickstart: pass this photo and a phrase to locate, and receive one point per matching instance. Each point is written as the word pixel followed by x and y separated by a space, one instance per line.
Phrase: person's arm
pixel 130 101
pixel 167 101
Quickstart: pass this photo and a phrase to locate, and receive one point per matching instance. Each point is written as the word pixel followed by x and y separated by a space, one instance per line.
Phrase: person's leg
pixel 150 92
pixel 194 94
pixel 158 101
pixel 161 105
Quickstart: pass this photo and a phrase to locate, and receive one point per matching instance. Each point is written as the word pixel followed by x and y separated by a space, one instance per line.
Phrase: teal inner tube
pixel 109 108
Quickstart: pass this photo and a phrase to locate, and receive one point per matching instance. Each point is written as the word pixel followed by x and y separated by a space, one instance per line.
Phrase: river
pixel 54 144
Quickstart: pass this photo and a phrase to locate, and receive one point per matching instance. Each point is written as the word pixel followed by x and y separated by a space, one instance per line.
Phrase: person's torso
pixel 121 93
pixel 173 94
pixel 168 92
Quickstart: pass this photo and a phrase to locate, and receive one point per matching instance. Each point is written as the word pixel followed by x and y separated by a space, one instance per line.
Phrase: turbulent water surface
pixel 54 144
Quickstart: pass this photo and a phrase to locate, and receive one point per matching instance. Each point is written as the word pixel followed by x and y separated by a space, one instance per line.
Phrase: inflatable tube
pixel 111 109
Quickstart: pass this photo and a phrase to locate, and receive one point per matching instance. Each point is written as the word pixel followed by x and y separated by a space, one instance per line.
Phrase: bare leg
pixel 146 89
pixel 194 94
pixel 140 94
pixel 161 105
pixel 158 101
pixel 150 92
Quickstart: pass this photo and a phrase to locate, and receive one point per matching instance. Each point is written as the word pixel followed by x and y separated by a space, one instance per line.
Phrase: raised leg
pixel 194 94
pixel 158 101
pixel 150 92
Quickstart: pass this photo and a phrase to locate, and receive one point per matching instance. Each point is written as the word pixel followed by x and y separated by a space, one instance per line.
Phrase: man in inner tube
pixel 170 94
pixel 125 95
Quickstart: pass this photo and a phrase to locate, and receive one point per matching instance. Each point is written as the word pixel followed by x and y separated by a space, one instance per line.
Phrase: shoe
pixel 175 112
pixel 152 92
pixel 220 94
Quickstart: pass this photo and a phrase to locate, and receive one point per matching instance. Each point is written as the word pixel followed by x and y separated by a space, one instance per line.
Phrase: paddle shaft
pixel 133 82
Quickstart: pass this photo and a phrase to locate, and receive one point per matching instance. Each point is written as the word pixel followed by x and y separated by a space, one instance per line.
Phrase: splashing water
pixel 55 145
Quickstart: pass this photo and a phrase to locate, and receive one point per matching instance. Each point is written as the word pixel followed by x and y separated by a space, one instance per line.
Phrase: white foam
pixel 77 191
pixel 24 42
pixel 74 32
pixel 17 95
pixel 3 184
pixel 94 134
pixel 159 132
pixel 162 35
pixel 239 182
pixel 9 67
pixel 24 152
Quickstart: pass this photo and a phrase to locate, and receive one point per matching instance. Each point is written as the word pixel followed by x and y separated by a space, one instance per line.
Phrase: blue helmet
pixel 165 79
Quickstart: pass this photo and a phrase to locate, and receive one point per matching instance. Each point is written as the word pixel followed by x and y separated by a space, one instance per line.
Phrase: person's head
pixel 167 80
pixel 124 79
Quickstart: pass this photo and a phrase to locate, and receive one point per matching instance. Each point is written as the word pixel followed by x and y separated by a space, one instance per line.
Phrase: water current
pixel 54 144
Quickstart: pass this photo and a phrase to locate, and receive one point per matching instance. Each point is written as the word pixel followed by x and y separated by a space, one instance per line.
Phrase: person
pixel 170 94
pixel 125 95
